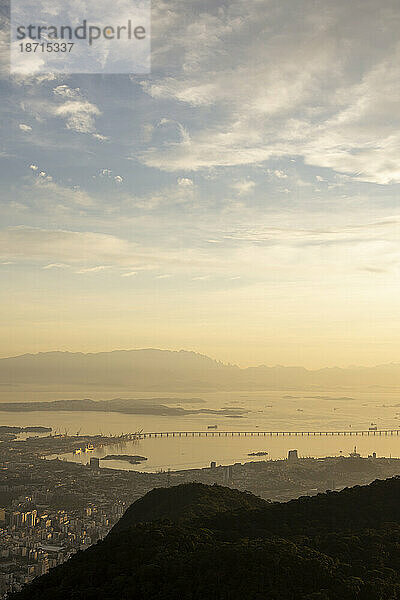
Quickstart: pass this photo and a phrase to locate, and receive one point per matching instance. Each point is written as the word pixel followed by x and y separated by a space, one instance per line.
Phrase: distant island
pixel 8 432
pixel 11 429
pixel 120 405
pixel 132 459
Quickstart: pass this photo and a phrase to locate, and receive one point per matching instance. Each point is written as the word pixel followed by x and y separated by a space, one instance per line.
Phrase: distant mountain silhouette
pixel 180 371
pixel 197 542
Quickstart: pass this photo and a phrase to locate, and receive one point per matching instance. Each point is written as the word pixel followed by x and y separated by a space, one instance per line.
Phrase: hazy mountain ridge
pixel 166 370
pixel 196 542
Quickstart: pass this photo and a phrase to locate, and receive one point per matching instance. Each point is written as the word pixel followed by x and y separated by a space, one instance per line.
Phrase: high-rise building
pixel 30 518
pixel 227 475
pixel 94 463
pixel 17 518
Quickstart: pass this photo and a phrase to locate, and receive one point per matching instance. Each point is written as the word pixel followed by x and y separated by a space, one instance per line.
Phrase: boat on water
pixel 373 427
pixel 260 453
pixel 212 427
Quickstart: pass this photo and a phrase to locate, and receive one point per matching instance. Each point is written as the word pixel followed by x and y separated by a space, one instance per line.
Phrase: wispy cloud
pixel 89 252
pixel 313 93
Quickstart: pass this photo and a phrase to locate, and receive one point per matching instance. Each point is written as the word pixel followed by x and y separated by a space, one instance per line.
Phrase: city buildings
pixel 50 508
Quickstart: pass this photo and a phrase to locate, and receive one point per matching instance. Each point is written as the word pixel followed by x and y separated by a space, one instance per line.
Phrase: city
pixel 51 509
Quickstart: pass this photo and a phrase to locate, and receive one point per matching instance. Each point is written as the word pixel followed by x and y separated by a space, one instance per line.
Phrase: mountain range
pixel 180 371
pixel 198 542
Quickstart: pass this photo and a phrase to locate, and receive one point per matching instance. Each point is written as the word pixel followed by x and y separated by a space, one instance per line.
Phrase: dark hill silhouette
pixel 220 544
pixel 185 502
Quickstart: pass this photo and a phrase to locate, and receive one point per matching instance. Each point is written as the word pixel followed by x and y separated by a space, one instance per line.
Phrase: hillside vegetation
pixel 197 542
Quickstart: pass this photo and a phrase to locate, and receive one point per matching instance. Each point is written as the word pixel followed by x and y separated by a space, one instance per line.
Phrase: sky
pixel 240 201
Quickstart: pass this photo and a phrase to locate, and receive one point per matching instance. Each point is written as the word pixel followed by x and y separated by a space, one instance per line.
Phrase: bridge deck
pixel 215 433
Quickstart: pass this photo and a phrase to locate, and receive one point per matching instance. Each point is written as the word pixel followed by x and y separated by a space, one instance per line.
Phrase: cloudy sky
pixel 241 201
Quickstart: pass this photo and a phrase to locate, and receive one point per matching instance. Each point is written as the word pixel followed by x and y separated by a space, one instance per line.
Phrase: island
pixel 15 429
pixel 10 432
pixel 128 406
pixel 132 459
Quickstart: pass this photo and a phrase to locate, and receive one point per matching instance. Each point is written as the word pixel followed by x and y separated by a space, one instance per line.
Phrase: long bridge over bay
pixel 216 433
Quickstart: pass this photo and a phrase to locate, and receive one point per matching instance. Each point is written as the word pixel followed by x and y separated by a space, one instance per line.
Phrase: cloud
pixel 89 252
pixel 30 79
pixel 370 231
pixel 129 274
pixel 108 174
pixel 243 187
pixel 79 114
pixel 42 175
pixel 96 269
pixel 301 89
pixel 185 182
pixel 60 194
pixel 45 176
pixel 280 174
pixel 69 104
pixel 68 248
pixel 24 127
pixel 100 137
pixel 183 192
pixel 66 92
pixel 56 266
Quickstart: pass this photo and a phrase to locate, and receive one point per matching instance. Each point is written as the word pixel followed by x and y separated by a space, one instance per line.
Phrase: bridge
pixel 215 433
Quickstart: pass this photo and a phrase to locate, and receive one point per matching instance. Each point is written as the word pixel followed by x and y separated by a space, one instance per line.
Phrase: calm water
pixel 186 453
pixel 302 411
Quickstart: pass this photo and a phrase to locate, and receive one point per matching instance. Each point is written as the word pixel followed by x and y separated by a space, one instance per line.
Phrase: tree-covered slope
pixel 186 502
pixel 330 547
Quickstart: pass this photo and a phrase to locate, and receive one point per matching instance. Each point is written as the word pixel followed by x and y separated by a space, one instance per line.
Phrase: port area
pixel 36 447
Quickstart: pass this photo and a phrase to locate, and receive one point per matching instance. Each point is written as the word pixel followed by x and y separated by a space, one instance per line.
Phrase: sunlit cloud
pixel 24 127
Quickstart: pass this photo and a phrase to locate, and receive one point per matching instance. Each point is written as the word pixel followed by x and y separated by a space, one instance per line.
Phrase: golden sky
pixel 240 201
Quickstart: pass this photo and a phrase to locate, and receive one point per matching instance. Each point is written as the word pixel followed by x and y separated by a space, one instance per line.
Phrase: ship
pixel 212 427
pixel 373 427
pixel 260 453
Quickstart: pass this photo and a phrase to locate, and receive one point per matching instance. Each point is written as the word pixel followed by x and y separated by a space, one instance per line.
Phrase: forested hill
pixel 222 544
pixel 187 502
